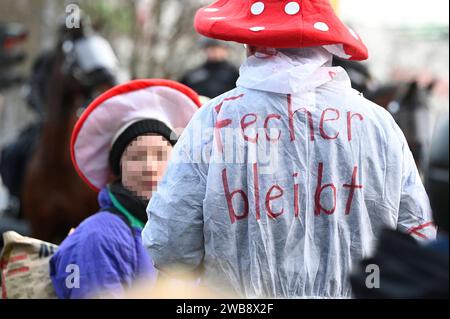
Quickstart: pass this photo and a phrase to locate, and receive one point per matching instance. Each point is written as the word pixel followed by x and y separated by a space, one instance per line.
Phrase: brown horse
pixel 54 197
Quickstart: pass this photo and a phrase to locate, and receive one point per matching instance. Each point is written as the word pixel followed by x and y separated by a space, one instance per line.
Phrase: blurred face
pixel 217 54
pixel 144 163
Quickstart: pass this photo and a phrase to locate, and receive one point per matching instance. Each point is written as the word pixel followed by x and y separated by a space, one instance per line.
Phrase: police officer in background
pixel 216 76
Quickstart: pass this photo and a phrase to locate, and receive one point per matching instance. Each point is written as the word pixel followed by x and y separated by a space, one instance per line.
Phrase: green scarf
pixel 129 205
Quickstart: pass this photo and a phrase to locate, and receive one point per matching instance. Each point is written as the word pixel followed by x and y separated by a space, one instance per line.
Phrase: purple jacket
pixel 106 253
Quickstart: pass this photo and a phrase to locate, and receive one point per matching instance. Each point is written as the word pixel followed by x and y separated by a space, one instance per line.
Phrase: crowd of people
pixel 283 185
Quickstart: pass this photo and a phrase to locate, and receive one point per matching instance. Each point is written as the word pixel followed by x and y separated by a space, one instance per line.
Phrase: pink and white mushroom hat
pixel 280 24
pixel 166 101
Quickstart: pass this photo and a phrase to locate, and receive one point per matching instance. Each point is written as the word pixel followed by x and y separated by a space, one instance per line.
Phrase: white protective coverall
pixel 276 188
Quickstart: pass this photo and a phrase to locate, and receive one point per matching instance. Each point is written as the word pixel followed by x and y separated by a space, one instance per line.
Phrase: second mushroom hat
pixel 280 24
pixel 167 102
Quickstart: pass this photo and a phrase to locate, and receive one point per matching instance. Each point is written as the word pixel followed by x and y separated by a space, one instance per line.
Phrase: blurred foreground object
pixel 25 268
pixel 408 269
pixel 11 36
pixel 169 288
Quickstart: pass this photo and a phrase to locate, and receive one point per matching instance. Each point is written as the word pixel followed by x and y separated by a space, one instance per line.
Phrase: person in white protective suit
pixel 277 187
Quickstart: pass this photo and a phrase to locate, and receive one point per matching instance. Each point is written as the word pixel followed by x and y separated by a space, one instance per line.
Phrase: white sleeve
pixel 174 233
pixel 415 214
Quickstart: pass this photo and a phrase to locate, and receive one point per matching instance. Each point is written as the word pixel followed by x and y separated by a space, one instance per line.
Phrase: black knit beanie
pixel 135 130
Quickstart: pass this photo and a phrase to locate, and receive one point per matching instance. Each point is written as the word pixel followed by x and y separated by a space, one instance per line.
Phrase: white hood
pixel 290 71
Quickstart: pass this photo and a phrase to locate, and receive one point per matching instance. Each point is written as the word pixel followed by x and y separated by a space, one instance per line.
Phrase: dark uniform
pixel 212 78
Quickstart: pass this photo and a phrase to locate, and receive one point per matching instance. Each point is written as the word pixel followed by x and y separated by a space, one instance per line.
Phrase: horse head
pixel 81 66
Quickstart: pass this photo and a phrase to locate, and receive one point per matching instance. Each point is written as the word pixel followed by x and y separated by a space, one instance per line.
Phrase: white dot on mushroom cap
pixel 257 8
pixel 292 8
pixel 321 26
pixel 354 34
pixel 217 18
pixel 211 10
pixel 257 29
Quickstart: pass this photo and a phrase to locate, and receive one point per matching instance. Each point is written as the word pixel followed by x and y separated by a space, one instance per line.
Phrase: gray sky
pixel 396 12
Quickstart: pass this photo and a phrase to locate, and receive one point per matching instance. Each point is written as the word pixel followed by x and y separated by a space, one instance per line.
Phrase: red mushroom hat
pixel 165 101
pixel 280 24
